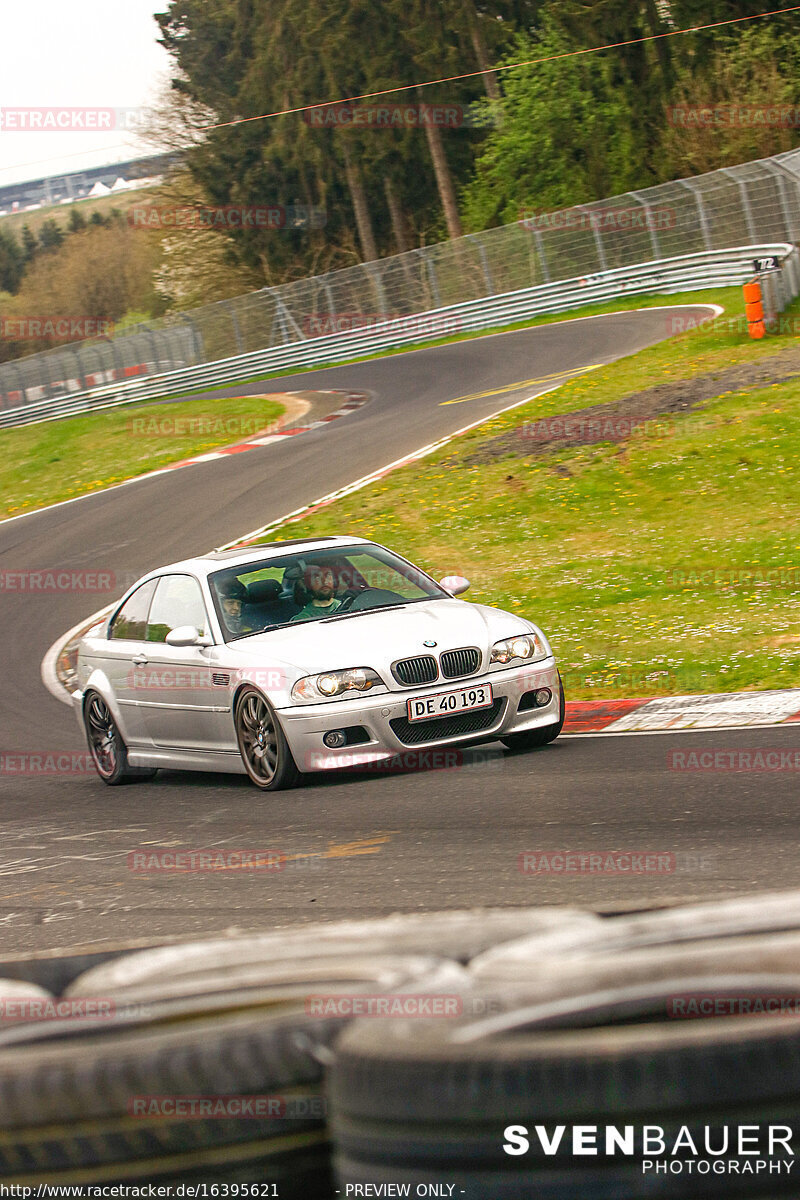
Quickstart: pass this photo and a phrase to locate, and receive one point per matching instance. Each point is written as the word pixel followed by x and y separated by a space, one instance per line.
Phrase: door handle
pixel 139 660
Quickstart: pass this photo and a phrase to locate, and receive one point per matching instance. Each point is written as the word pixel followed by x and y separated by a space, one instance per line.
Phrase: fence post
pixel 153 346
pixel 52 366
pixel 197 338
pixel 701 209
pixel 598 240
pixel 75 351
pixel 487 274
pixel 285 318
pixel 779 175
pixel 537 233
pixel 331 302
pixel 745 202
pixel 373 271
pixel 237 333
pixel 431 268
pixel 651 229
pixel 21 387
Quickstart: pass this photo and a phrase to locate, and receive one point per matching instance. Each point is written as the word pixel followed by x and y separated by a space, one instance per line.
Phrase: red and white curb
pixel 664 714
pixel 354 400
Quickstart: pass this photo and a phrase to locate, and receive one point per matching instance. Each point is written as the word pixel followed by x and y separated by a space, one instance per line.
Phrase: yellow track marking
pixel 512 387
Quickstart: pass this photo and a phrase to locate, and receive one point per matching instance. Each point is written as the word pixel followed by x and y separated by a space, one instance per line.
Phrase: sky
pixel 97 54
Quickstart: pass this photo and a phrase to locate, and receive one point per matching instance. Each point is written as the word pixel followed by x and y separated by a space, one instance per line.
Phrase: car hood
pixel 378 639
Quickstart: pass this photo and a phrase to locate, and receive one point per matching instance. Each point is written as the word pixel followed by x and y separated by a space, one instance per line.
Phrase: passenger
pixel 232 596
pixel 320 584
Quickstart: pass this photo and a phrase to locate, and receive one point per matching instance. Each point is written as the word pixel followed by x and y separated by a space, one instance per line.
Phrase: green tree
pixel 30 246
pixel 383 189
pixel 12 262
pixel 77 221
pixel 567 136
pixel 749 71
pixel 99 273
pixel 51 236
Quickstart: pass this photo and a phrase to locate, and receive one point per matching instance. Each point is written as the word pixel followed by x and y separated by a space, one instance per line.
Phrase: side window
pixel 130 622
pixel 178 601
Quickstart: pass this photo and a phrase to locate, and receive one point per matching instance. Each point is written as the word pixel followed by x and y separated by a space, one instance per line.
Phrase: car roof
pixel 216 560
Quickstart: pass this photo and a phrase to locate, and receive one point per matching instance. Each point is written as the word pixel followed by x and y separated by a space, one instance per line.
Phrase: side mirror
pixel 187 635
pixel 455 584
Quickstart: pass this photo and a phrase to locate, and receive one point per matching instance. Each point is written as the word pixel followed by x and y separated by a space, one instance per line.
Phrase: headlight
pixel 524 646
pixel 334 683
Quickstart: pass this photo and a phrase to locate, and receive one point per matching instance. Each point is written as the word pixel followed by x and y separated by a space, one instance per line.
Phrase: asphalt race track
pixel 355 845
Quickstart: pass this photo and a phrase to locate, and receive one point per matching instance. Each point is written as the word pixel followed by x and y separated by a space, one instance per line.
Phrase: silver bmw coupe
pixel 299 656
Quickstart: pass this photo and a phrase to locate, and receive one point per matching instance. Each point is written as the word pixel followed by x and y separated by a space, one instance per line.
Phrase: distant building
pixel 78 185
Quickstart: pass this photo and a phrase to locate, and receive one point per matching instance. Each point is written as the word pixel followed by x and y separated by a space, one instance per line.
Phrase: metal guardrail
pixel 715 268
pixel 736 206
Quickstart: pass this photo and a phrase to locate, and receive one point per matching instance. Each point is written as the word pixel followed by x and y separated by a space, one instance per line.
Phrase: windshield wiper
pixel 361 612
pixel 266 629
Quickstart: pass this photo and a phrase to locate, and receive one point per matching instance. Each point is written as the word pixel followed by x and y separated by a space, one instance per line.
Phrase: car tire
pixel 532 739
pixel 262 743
pixel 106 746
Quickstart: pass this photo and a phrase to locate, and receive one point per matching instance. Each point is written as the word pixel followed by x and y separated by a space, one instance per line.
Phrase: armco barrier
pixel 707 269
pixel 754 202
pixel 746 204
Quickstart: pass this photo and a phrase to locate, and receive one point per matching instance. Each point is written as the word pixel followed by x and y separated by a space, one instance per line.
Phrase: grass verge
pixel 666 563
pixel 57 460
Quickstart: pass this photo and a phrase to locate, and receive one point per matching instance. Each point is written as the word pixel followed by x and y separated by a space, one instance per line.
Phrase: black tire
pixel 431 1102
pixel 532 739
pixel 108 750
pixel 67 1110
pixel 262 743
pixel 458 935
pixel 64 1103
pixel 708 924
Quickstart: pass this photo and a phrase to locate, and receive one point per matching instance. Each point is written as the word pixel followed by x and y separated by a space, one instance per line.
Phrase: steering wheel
pixel 374 597
pixel 346 599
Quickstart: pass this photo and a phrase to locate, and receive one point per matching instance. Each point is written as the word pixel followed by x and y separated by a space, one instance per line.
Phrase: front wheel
pixel 262 743
pixel 108 750
pixel 532 739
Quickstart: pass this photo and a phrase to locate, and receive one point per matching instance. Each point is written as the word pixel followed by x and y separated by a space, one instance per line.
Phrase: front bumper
pixel 383 718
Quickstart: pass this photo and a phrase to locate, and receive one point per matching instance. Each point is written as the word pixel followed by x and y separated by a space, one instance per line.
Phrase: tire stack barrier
pixel 556 1017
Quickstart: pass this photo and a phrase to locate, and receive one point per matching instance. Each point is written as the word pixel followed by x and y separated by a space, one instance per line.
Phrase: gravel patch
pixel 615 421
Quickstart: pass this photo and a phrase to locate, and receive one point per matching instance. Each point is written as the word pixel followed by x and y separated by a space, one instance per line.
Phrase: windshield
pixel 311 585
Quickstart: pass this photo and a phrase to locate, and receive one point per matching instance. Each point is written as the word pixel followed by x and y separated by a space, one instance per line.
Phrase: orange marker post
pixel 754 309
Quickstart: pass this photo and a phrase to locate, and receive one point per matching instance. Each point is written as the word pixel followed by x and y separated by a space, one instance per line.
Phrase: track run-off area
pixel 350 844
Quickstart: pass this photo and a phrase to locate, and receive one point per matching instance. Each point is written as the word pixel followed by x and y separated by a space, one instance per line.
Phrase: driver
pixel 320 583
pixel 232 596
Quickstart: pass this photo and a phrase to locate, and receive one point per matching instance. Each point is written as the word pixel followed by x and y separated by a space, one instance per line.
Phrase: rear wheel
pixel 108 750
pixel 531 739
pixel 262 743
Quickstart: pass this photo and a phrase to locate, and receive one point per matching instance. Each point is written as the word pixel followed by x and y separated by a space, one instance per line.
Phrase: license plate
pixel 447 704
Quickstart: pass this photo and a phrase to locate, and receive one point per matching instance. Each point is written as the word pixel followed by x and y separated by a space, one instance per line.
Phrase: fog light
pixel 336 739
pixel 542 697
